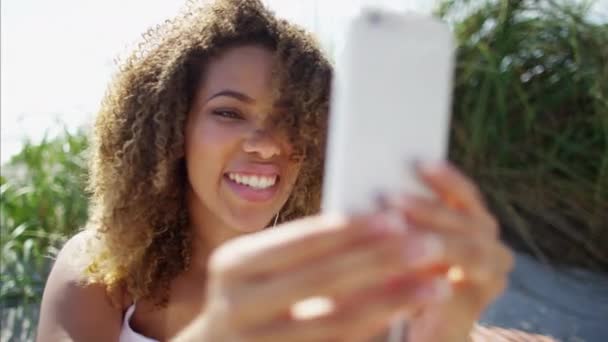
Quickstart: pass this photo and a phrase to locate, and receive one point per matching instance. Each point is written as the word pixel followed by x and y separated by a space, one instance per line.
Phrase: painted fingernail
pixel 422 249
pixel 382 201
pixel 396 202
pixel 389 222
pixel 432 167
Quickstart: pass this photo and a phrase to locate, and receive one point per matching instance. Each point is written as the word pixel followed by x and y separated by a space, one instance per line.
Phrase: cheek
pixel 294 168
pixel 207 151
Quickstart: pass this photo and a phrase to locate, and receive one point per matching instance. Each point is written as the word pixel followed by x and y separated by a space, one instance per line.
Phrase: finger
pixel 362 266
pixel 479 261
pixel 361 320
pixel 477 268
pixel 452 186
pixel 434 215
pixel 257 254
pixel 373 313
pixel 472 300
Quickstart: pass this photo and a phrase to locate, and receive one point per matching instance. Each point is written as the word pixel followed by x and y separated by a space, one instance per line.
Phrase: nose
pixel 262 143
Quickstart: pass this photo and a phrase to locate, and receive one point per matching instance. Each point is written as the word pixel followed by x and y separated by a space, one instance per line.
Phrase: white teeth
pixel 264 182
pixel 257 182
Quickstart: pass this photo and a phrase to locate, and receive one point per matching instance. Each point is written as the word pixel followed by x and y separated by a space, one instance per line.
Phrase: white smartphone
pixel 390 106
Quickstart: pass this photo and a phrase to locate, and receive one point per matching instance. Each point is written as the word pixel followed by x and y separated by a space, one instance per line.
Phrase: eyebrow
pixel 234 94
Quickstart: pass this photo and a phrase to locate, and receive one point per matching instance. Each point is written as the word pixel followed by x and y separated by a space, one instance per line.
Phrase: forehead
pixel 247 69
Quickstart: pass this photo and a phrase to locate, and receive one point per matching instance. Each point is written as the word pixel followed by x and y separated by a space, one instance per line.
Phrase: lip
pixel 267 170
pixel 248 193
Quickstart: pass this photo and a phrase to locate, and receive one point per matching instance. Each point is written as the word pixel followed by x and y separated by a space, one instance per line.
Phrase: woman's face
pixel 238 163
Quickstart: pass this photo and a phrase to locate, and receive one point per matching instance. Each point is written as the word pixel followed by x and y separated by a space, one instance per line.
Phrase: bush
pixel 531 122
pixel 43 202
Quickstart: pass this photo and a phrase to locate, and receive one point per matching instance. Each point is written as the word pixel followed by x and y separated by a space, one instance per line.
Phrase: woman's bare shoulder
pixel 73 309
pixel 73 259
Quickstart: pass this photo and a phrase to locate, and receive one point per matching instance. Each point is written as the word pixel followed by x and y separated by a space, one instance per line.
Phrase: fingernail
pixel 412 164
pixel 398 202
pixel 432 167
pixel 436 289
pixel 422 249
pixel 389 222
pixel 382 201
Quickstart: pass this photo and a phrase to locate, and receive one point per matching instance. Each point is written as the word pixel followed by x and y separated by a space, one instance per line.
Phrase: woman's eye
pixel 228 114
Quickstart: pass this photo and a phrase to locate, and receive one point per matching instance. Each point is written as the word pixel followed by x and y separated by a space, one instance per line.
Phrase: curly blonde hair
pixel 137 169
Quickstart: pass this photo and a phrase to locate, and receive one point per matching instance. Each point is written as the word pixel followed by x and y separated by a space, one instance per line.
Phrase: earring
pixel 276 218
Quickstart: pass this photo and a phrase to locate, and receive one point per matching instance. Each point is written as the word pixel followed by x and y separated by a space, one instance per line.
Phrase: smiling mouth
pixel 256 182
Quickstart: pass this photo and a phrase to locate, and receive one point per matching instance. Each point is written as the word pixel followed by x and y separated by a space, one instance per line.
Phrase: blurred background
pixel 530 125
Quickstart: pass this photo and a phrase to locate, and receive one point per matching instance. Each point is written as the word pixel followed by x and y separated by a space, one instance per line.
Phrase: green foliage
pixel 43 202
pixel 531 121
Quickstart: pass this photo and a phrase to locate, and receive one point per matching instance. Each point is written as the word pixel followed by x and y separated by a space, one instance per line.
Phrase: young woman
pixel 205 177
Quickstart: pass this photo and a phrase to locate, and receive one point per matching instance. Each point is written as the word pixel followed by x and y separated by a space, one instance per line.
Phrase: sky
pixel 56 57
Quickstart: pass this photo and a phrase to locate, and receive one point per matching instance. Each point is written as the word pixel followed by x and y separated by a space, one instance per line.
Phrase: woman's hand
pixel 254 280
pixel 466 247
pixel 441 269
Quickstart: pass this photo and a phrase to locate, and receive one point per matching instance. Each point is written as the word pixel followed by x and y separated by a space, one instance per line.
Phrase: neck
pixel 208 231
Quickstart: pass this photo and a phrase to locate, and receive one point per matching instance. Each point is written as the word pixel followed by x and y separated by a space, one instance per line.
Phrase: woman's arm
pixel 481 333
pixel 71 311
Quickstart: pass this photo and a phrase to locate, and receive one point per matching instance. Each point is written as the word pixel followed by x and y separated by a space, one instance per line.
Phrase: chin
pixel 249 224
